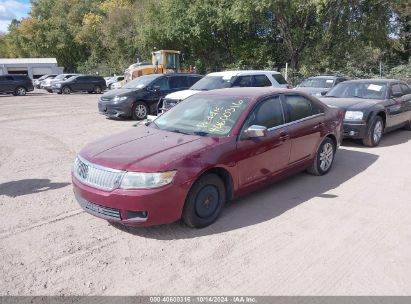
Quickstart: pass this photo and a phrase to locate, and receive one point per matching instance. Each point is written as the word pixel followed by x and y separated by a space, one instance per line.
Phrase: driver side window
pixel 268 113
pixel 396 90
pixel 162 83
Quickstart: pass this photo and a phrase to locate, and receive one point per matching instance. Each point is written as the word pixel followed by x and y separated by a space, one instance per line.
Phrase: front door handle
pixel 284 136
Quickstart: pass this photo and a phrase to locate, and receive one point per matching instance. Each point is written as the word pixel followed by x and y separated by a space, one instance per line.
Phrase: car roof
pixel 377 80
pixel 326 76
pixel 242 72
pixel 251 92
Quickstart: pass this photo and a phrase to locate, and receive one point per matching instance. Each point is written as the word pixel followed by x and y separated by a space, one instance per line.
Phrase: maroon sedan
pixel 211 148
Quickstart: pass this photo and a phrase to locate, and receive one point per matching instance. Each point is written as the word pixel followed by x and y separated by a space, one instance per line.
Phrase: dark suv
pixel 80 83
pixel 138 98
pixel 15 84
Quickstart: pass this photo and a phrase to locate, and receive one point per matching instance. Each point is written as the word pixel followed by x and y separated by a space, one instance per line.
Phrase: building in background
pixel 33 67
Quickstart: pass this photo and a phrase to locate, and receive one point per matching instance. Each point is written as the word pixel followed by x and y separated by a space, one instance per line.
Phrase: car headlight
pixel 58 85
pixel 118 98
pixel 138 180
pixel 354 115
pixel 317 94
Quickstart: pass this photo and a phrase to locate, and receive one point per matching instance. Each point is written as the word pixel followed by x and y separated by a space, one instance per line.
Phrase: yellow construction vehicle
pixel 163 62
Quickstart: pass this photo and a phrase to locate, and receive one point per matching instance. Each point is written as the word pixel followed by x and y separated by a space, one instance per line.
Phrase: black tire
pixel 20 91
pixel 50 91
pixel 65 90
pixel 97 90
pixel 324 158
pixel 140 110
pixel 204 201
pixel 374 132
pixel 407 126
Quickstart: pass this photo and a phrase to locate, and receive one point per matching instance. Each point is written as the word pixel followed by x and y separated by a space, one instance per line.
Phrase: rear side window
pixel 20 77
pixel 6 78
pixel 298 107
pixel 177 82
pixel 405 89
pixel 261 81
pixel 268 114
pixel 279 78
pixel 243 81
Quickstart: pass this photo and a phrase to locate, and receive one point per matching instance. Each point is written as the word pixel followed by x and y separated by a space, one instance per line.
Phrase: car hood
pixel 144 149
pixel 181 95
pixel 120 92
pixel 350 103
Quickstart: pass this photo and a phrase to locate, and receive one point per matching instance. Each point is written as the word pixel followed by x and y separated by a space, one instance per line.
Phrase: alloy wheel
pixel 21 91
pixel 377 134
pixel 326 156
pixel 141 111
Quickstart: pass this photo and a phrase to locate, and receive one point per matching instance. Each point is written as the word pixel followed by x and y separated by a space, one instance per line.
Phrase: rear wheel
pixel 66 90
pixel 20 91
pixel 140 110
pixel 374 132
pixel 97 89
pixel 204 201
pixel 324 158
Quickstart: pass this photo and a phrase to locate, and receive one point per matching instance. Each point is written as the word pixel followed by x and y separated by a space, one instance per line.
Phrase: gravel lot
pixel 347 233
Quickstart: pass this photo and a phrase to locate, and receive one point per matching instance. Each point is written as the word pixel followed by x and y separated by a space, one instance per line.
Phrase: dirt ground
pixel 346 233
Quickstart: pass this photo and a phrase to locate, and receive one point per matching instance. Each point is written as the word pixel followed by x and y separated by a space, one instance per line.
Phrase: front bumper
pixel 143 207
pixel 355 130
pixel 110 110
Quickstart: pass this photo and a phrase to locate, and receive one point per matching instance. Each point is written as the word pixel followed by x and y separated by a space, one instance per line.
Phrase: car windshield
pixel 61 76
pixel 368 90
pixel 317 83
pixel 212 83
pixel 203 115
pixel 71 78
pixel 140 82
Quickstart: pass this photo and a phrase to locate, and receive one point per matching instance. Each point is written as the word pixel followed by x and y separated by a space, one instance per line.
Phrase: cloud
pixel 12 9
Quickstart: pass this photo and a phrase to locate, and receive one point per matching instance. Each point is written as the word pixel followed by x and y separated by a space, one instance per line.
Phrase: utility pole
pixel 286 71
pixel 380 69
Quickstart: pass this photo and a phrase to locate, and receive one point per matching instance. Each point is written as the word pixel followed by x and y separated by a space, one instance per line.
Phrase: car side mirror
pixel 155 88
pixel 323 93
pixel 396 95
pixel 256 131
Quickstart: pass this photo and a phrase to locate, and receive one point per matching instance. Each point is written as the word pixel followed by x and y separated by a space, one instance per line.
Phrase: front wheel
pixel 66 90
pixel 20 91
pixel 204 201
pixel 140 110
pixel 324 158
pixel 374 133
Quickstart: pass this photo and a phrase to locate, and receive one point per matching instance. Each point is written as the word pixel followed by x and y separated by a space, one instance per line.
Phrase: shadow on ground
pixel 269 202
pixel 28 186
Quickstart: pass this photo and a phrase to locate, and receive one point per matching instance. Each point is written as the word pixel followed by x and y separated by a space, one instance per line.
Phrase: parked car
pixel 17 85
pixel 47 84
pixel 113 80
pixel 227 79
pixel 138 98
pixel 81 83
pixel 320 85
pixel 373 107
pixel 117 85
pixel 37 82
pixel 212 147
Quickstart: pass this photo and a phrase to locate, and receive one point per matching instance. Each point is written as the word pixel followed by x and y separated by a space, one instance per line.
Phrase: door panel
pixel 263 157
pixel 396 107
pixel 259 158
pixel 306 124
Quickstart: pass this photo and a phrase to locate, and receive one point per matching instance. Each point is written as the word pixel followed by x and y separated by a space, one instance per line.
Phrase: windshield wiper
pixel 178 131
pixel 201 133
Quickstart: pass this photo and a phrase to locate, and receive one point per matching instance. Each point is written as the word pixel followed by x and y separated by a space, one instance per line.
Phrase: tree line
pixel 352 37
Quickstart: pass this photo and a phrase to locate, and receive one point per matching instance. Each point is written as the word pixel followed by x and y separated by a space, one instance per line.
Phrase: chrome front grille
pixel 98 210
pixel 95 175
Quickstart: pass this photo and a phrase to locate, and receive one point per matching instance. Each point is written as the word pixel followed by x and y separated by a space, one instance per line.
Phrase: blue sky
pixel 12 9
